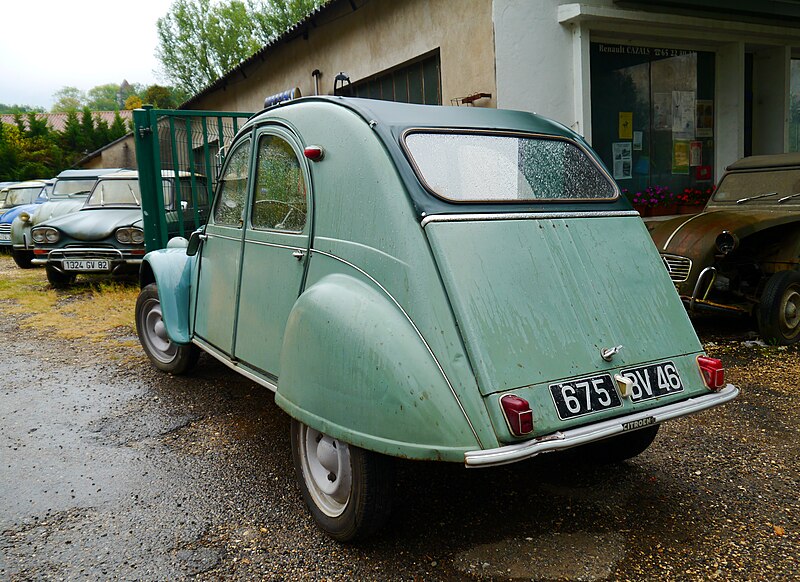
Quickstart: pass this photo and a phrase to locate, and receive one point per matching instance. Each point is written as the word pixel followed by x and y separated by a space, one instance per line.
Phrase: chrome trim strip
pixel 65 253
pixel 416 329
pixel 275 245
pixel 524 216
pixel 674 232
pixel 238 368
pixel 593 432
pixel 234 239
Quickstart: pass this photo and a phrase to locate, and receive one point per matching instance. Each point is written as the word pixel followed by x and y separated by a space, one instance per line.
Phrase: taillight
pixel 518 414
pixel 712 371
pixel 314 153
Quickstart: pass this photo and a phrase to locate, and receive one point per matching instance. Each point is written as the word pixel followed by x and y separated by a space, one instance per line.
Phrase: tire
pixel 347 489
pixel 22 258
pixel 59 279
pixel 165 354
pixel 778 312
pixel 619 448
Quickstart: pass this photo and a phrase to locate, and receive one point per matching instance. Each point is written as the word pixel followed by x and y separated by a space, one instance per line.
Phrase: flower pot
pixel 690 208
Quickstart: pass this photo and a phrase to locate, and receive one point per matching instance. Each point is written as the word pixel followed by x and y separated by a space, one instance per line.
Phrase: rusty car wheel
pixel 346 488
pixel 779 309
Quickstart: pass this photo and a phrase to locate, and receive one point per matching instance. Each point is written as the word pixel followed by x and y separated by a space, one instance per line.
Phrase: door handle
pixel 299 255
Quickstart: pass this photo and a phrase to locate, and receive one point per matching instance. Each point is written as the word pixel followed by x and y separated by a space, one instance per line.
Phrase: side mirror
pixel 195 240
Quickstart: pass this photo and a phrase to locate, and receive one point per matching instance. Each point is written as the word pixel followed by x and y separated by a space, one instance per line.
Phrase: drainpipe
pixel 316 73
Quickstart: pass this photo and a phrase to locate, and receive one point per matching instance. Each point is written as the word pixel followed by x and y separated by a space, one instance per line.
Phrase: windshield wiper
pixel 78 193
pixel 743 200
pixel 789 197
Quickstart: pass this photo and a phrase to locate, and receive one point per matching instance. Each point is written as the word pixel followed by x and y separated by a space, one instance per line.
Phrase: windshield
pixel 115 193
pixel 506 168
pixel 187 199
pixel 19 196
pixel 770 185
pixel 64 188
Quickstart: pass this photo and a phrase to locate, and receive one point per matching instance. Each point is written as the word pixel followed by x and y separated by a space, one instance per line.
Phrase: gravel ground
pixel 111 470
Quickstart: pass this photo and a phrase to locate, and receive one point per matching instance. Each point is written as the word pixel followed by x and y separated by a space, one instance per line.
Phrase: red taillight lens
pixel 713 372
pixel 518 413
pixel 314 153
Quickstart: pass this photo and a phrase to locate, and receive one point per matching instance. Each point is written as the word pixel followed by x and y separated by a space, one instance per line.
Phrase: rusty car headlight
pixel 24 217
pixel 726 242
pixel 130 236
pixel 45 235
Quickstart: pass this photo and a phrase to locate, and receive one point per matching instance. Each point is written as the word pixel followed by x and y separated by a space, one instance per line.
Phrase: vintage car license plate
pixel 584 396
pixel 653 380
pixel 85 265
pixel 5 236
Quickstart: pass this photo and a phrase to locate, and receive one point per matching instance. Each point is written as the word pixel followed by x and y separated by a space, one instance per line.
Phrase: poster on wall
pixel 683 112
pixel 680 156
pixel 705 118
pixel 696 151
pixel 623 160
pixel 625 124
pixel 637 140
pixel 662 111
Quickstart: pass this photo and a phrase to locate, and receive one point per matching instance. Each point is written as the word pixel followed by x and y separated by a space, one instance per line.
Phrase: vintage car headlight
pixel 726 242
pixel 45 235
pixel 24 217
pixel 130 236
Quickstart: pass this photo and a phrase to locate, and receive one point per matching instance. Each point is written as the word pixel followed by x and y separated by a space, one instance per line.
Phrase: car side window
pixel 280 198
pixel 229 207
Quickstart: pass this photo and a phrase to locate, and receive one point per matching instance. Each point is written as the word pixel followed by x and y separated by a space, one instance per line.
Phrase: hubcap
pixel 326 469
pixel 790 314
pixel 155 333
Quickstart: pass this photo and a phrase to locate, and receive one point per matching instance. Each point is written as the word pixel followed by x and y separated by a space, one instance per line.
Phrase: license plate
pixel 653 381
pixel 5 236
pixel 85 265
pixel 584 396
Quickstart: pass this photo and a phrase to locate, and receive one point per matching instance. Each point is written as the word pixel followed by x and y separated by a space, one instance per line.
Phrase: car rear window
pixel 474 167
pixel 19 196
pixel 68 187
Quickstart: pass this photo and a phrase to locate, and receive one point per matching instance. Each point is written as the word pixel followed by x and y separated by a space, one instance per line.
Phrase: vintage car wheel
pixel 779 309
pixel 59 279
pixel 347 489
pixel 22 258
pixel 165 354
pixel 619 448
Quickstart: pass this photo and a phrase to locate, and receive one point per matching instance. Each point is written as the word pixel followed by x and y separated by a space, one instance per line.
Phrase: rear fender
pixel 171 270
pixel 354 367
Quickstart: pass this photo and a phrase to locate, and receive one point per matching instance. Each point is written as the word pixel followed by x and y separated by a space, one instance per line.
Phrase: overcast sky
pixel 48 44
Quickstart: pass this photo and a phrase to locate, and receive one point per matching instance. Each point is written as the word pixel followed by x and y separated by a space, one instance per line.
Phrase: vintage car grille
pixel 87 252
pixel 6 228
pixel 677 267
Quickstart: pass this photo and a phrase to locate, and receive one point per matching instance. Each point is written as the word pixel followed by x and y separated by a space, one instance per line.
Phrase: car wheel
pixel 619 448
pixel 165 354
pixel 22 258
pixel 779 309
pixel 59 279
pixel 347 489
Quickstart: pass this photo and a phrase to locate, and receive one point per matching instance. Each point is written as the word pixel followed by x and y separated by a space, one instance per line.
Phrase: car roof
pixel 28 184
pixel 766 161
pixel 77 174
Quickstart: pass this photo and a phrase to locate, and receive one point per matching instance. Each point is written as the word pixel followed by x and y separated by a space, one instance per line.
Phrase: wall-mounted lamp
pixel 316 73
pixel 340 78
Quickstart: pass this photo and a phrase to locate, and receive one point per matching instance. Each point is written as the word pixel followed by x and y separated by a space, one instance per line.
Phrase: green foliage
pixel 117 129
pixel 199 41
pixel 160 97
pixel 20 109
pixel 103 97
pixel 68 99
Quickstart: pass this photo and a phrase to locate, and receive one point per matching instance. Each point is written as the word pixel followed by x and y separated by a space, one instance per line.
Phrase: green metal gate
pixel 173 144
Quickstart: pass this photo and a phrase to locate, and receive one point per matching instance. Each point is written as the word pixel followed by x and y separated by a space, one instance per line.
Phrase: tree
pixel 133 102
pixel 160 97
pixel 103 97
pixel 199 41
pixel 87 138
pixel 68 99
pixel 20 108
pixel 117 129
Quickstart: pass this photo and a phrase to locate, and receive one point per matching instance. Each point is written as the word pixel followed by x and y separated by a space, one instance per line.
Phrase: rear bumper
pixel 594 432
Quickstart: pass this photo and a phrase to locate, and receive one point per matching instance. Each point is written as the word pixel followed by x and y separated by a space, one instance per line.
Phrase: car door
pixel 221 253
pixel 275 250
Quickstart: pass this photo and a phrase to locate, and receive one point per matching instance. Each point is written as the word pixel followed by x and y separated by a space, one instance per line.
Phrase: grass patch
pixel 91 309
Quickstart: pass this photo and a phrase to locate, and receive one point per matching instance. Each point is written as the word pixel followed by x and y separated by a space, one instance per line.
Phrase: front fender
pixel 171 270
pixel 354 367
